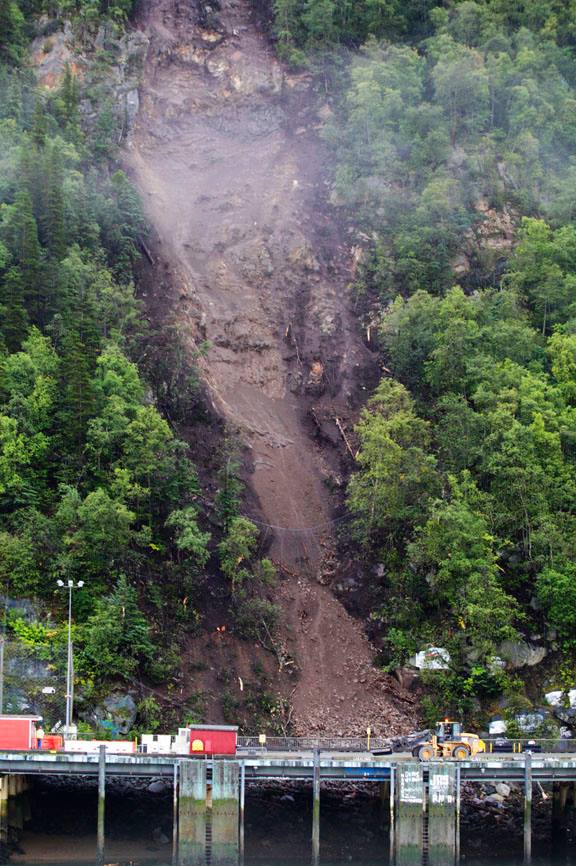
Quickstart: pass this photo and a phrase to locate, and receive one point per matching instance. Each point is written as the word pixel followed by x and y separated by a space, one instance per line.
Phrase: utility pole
pixel 2 647
pixel 69 585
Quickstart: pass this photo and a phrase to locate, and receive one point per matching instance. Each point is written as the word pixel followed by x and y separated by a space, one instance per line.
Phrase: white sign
pixel 123 747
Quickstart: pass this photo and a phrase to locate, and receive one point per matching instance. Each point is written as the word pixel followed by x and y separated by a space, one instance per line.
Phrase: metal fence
pixel 363 744
pixel 532 744
pixel 308 744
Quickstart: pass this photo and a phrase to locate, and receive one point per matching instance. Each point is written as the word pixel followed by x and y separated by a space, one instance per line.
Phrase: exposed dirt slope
pixel 226 158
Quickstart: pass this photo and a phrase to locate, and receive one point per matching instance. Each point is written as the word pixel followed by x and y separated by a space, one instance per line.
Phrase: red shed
pixel 18 732
pixel 213 739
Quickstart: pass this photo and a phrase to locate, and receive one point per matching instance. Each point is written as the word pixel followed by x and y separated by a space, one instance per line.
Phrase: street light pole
pixel 70 585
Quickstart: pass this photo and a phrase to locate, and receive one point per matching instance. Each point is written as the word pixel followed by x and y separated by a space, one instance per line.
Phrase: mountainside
pixel 288 360
pixel 232 176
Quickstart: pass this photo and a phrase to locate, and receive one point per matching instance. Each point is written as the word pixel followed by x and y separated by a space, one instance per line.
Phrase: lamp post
pixel 69 585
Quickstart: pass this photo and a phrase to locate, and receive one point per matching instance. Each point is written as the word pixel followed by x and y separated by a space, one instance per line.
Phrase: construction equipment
pixel 449 741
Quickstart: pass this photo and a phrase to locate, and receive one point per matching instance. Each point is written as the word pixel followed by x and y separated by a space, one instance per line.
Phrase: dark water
pixel 354 832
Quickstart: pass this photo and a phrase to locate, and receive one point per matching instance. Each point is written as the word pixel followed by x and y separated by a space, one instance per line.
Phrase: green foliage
pixel 117 640
pixel 543 271
pixel 456 551
pixel 12 32
pixel 397 472
pixel 94 484
pixel 556 588
pixel 149 714
pixel 189 537
pixel 237 549
pixel 313 25
pixel 428 139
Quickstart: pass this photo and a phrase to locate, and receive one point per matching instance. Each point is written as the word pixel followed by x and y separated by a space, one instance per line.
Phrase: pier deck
pixel 343 766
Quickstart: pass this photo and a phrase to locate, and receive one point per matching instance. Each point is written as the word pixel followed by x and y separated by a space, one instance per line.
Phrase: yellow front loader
pixel 449 741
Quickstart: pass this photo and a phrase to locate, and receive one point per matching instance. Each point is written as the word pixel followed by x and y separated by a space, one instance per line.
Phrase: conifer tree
pixel 70 98
pixel 39 124
pixel 54 233
pixel 11 31
pixel 13 316
pixel 25 246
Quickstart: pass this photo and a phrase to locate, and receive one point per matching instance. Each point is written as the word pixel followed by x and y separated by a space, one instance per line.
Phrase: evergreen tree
pixel 14 321
pixel 118 639
pixel 11 31
pixel 54 232
pixel 22 235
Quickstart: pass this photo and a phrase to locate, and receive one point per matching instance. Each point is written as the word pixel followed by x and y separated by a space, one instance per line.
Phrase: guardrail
pixel 547 746
pixel 308 744
pixel 365 744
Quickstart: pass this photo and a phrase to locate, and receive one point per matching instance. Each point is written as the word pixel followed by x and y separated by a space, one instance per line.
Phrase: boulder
pixel 495 799
pixel 432 659
pixel 503 789
pixel 132 104
pixel 17 702
pixel 157 787
pixel 560 698
pixel 531 720
pixel 497 726
pixel 563 705
pixel 566 715
pixel 407 677
pixel 520 653
pixel 116 713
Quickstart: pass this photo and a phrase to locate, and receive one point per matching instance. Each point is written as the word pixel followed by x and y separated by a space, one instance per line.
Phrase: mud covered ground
pixel 232 172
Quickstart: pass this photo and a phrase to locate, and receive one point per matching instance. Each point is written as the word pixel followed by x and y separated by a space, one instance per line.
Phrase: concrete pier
pixel 225 812
pixel 409 812
pixel 192 813
pixel 442 818
pixel 14 805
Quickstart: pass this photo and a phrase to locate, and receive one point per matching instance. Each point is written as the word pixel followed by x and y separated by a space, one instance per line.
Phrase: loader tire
pixel 426 752
pixel 461 753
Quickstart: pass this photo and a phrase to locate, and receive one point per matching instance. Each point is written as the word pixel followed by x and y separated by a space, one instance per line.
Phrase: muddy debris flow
pixel 229 164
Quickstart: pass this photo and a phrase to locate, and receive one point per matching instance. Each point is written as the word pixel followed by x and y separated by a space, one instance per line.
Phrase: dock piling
pixel 3 808
pixel 225 812
pixel 101 804
pixel 242 804
pixel 175 816
pixel 458 810
pixel 409 814
pixel 316 808
pixel 192 812
pixel 442 813
pixel 527 807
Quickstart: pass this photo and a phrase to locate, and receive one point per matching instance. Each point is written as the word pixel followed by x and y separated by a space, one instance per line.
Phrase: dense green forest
pixel 95 485
pixel 454 132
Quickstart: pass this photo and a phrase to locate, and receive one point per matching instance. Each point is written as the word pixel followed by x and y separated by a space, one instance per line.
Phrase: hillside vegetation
pixel 454 155
pixel 95 485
